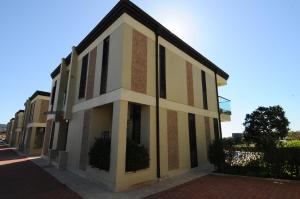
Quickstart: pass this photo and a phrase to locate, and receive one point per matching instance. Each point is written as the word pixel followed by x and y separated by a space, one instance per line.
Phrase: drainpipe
pixel 216 83
pixel 157 106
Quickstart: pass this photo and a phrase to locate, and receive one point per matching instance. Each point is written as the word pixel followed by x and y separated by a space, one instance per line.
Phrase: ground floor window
pixel 39 137
pixel 134 122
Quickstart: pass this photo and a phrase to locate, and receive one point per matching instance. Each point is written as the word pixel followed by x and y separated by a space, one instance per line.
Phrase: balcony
pixel 225 109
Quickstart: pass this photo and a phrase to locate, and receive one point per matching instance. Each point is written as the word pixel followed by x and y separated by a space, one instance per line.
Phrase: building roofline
pixel 36 93
pixel 126 6
pixel 20 111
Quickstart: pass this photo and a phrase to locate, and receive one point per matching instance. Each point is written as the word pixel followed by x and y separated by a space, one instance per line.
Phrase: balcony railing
pixel 224 105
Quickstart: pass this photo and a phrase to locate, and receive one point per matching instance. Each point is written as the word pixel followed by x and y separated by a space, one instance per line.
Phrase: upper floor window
pixel 204 89
pixel 82 85
pixel 104 70
pixel 53 95
pixel 31 114
pixel 162 71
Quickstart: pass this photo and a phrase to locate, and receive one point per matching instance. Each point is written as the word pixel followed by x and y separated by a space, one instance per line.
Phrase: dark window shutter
pixel 104 70
pixel 84 67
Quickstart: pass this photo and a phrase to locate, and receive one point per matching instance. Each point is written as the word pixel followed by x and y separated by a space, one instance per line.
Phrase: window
pixel 82 85
pixel 162 71
pixel 216 129
pixel 134 123
pixel 53 95
pixel 104 69
pixel 39 137
pixel 31 114
pixel 204 90
pixel 193 140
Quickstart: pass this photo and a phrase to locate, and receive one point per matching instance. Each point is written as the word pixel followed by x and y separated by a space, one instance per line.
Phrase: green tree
pixel 265 126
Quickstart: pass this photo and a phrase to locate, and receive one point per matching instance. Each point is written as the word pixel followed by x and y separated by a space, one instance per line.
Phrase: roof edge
pixel 36 93
pixel 126 6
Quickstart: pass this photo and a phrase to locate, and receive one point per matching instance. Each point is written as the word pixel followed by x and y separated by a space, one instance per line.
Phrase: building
pixel 17 128
pixel 3 132
pixel 10 125
pixel 132 79
pixel 35 117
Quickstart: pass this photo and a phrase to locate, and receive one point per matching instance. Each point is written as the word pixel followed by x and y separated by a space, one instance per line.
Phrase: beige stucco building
pixel 16 127
pixel 131 78
pixel 35 117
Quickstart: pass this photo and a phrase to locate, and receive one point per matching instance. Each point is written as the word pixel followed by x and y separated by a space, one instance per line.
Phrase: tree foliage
pixel 266 125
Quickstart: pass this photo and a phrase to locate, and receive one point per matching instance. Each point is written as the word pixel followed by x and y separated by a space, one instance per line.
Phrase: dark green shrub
pixel 99 155
pixel 137 156
pixel 283 162
pixel 216 154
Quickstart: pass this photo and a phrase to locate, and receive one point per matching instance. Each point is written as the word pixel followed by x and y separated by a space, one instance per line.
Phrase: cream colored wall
pixel 20 120
pixel 163 142
pixel 114 77
pixel 98 68
pixel 201 140
pixel 197 85
pixel 101 120
pixel 183 141
pixel 74 140
pixel 211 93
pixel 176 82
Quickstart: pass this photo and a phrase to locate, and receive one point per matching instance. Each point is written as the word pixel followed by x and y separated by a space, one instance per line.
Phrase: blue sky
pixel 256 41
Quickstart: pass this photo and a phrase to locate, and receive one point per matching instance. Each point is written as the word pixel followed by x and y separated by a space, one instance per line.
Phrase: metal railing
pixel 224 105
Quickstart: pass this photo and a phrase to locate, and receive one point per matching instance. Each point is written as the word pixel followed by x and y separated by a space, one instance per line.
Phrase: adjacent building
pixel 35 117
pixel 17 128
pixel 10 125
pixel 3 131
pixel 132 79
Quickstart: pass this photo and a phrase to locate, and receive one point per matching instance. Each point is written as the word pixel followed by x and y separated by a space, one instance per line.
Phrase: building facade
pixel 35 117
pixel 133 80
pixel 17 128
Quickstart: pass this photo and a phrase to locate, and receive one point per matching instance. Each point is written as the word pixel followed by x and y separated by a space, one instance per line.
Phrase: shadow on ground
pixel 21 178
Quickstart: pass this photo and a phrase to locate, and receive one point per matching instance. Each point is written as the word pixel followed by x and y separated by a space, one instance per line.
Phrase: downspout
pixel 216 83
pixel 157 106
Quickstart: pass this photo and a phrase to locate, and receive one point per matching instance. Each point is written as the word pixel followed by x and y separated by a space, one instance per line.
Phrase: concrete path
pixel 92 190
pixel 21 178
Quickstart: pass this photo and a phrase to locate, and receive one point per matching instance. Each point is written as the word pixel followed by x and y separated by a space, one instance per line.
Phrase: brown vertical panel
pixel 190 87
pixel 91 74
pixel 172 127
pixel 207 131
pixel 43 109
pixel 48 130
pixel 139 63
pixel 84 140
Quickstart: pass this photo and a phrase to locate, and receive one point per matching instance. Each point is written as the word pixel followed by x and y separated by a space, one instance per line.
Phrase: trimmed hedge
pixel 137 156
pixel 100 154
pixel 275 162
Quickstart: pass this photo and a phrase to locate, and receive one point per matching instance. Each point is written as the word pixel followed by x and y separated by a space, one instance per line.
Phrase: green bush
pixel 99 155
pixel 284 162
pixel 216 154
pixel 290 143
pixel 137 156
